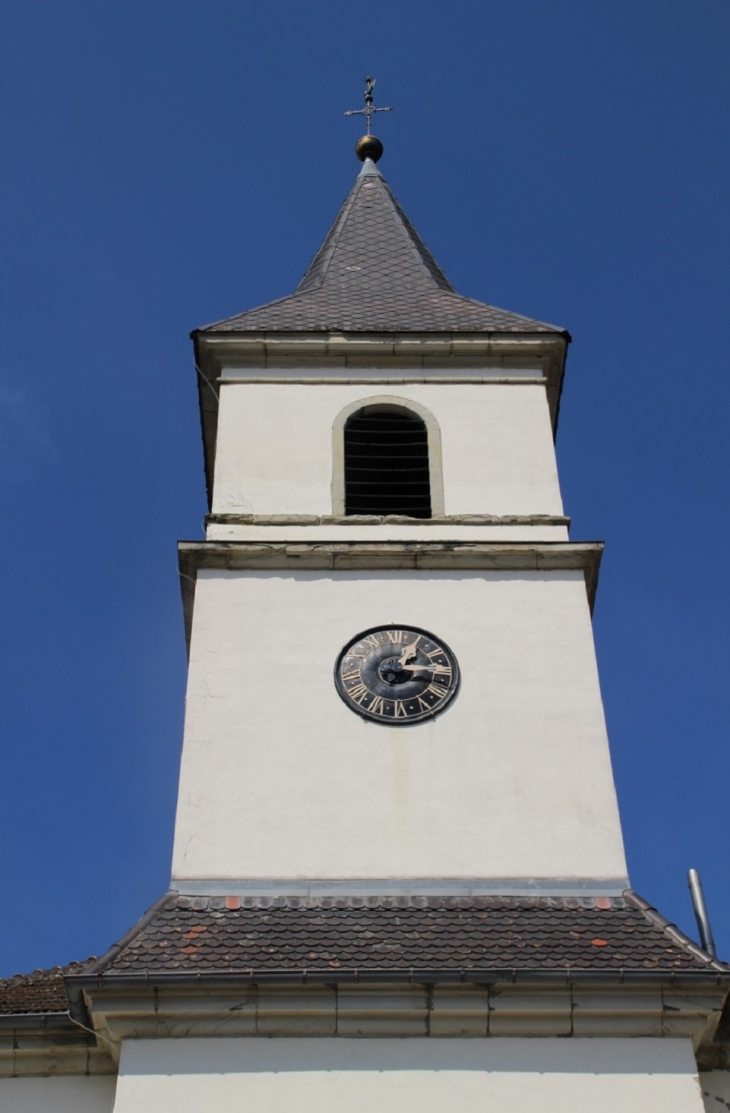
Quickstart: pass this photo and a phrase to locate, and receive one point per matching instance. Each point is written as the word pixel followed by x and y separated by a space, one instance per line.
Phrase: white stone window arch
pixel 387 402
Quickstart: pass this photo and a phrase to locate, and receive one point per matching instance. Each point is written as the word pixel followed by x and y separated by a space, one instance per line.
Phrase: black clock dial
pixel 397 675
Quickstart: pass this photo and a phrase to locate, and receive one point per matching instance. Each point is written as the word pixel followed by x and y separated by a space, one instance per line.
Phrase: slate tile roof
pixel 43 991
pixel 373 273
pixel 379 934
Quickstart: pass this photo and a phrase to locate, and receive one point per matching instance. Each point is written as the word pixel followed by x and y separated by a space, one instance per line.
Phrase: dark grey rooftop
pixel 371 935
pixel 361 937
pixel 373 273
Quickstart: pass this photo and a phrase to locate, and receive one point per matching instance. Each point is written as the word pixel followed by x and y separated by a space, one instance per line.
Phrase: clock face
pixel 397 675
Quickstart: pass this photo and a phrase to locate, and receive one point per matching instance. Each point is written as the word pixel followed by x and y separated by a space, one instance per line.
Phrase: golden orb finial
pixel 369 147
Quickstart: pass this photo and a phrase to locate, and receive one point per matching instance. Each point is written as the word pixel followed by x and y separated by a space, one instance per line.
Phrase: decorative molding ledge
pixel 240 349
pixel 401 380
pixel 385 520
pixel 346 555
pixel 122 1007
pixel 49 1044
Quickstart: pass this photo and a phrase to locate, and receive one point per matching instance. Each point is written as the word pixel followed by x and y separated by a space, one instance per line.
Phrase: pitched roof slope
pixel 343 935
pixel 373 273
pixel 43 991
pixel 348 936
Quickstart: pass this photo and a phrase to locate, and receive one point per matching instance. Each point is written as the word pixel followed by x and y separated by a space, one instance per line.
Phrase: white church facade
pixel 398 876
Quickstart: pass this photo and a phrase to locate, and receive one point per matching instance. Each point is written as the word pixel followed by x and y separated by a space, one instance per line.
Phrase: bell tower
pixel 381 472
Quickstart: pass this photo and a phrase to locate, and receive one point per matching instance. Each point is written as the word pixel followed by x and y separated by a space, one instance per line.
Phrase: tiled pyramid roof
pixel 373 273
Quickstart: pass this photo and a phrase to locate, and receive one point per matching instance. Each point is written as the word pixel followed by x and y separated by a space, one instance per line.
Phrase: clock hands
pixel 411 651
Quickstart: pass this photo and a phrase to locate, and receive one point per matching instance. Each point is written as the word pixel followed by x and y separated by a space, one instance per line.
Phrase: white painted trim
pixel 317 378
pixel 418 886
pixel 435 468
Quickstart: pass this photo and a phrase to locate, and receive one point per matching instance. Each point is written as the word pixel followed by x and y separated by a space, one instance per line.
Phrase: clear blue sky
pixel 168 164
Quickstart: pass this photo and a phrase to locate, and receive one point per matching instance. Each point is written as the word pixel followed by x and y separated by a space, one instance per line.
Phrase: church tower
pixel 397 851
pixel 385 506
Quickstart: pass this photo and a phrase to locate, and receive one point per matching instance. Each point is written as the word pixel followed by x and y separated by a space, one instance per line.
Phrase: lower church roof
pixel 346 937
pixel 42 991
pixel 392 934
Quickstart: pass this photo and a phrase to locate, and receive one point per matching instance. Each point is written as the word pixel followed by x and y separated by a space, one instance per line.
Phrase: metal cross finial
pixel 369 109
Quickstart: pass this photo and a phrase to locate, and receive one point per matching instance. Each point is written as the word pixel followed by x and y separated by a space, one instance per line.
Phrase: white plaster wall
pixel 274 450
pixel 409 1076
pixel 288 533
pixel 57 1095
pixel 280 779
pixel 716 1090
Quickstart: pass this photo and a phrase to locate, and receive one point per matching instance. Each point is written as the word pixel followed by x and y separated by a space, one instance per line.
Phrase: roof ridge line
pixel 413 237
pixel 340 221
pixel 98 966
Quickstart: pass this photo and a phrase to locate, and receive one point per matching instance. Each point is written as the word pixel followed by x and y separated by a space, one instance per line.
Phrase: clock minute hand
pixel 431 668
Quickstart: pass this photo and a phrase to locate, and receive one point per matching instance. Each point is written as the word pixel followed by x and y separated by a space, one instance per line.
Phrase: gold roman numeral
pixel 358 692
pixel 377 706
pixel 372 640
pixel 423 705
pixel 354 675
pixel 438 690
pixel 435 653
pixel 399 709
pixel 395 636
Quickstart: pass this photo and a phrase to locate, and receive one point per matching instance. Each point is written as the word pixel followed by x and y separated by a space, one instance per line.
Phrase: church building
pixel 398 878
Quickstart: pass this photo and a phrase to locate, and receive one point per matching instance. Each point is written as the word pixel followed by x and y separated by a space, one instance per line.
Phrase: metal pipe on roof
pixel 700 910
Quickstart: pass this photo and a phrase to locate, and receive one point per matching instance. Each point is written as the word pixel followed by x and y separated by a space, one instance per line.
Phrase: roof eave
pixel 407 975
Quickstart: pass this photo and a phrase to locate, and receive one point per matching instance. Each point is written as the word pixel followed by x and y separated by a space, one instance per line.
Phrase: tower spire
pixel 369 146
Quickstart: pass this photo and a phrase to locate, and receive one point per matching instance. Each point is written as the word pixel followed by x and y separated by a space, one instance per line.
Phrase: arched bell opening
pixel 387 462
pixel 372 477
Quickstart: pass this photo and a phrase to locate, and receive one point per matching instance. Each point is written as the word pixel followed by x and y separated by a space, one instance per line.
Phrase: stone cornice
pixel 270 349
pixel 538 556
pixel 123 1008
pixel 386 520
pixel 49 1044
